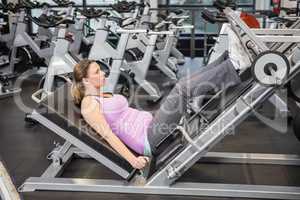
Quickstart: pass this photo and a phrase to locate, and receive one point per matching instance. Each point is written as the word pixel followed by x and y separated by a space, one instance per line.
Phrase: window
pixel 103 2
pixel 196 6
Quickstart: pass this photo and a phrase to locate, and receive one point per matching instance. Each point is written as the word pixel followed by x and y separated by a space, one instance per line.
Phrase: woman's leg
pixel 215 63
pixel 175 104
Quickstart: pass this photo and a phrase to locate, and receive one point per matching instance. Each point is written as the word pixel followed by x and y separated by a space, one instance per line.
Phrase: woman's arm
pixel 91 111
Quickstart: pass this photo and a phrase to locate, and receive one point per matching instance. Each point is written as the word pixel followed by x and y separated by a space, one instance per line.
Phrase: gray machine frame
pixel 61 62
pixel 8 39
pixel 7 188
pixel 61 156
pixel 22 39
pixel 165 180
pixel 139 68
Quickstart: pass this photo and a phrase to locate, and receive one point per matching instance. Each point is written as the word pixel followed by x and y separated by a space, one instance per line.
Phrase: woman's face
pixel 96 76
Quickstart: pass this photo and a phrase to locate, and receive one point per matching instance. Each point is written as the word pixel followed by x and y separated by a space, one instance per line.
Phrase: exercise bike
pixel 26 50
pixel 61 62
pixel 102 49
pixel 7 87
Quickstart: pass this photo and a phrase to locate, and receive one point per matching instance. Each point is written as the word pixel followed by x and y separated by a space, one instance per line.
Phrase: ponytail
pixel 80 72
pixel 77 93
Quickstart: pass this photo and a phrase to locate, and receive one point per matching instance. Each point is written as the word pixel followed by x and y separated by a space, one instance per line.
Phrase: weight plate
pixel 270 68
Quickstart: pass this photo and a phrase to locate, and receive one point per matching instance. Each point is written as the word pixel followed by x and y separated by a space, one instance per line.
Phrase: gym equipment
pixel 22 40
pixel 44 34
pixel 177 17
pixel 275 68
pixel 125 7
pixel 221 44
pixel 179 150
pixel 295 112
pixel 6 87
pixel 166 46
pixel 285 8
pixel 293 89
pixel 7 36
pixel 77 30
pixel 296 126
pixel 7 189
pixel 139 68
pixel 4 35
pixel 221 47
pixel 162 54
pixel 6 79
pixel 61 62
pixel 103 50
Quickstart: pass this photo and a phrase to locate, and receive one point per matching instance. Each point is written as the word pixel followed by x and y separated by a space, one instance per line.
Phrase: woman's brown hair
pixel 80 71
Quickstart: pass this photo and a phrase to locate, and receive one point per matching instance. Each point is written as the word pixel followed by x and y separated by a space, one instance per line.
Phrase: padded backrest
pixel 61 110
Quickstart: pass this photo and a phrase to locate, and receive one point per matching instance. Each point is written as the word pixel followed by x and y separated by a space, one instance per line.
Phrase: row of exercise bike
pixel 125 41
pixel 275 64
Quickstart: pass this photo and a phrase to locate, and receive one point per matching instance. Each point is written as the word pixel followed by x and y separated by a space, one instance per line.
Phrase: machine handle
pixel 64 3
pixel 184 27
pixel 92 12
pixel 29 4
pixel 129 24
pixel 210 17
pixel 178 11
pixel 133 31
pixel 124 6
pixel 179 17
pixel 58 13
pixel 160 33
pixel 51 24
pixel 148 32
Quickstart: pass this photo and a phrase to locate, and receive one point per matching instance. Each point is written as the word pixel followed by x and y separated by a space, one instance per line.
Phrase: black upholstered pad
pixel 60 109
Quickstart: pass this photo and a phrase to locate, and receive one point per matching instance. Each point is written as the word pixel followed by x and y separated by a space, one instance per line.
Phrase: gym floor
pixel 24 150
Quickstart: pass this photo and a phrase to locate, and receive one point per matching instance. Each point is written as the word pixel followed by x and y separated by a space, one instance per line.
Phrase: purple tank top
pixel 129 124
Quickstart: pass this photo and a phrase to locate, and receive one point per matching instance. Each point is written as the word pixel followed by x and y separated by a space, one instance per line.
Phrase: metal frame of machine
pixel 165 180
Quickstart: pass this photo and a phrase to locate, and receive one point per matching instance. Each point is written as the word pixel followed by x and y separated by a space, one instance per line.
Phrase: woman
pixel 122 126
pixel 119 124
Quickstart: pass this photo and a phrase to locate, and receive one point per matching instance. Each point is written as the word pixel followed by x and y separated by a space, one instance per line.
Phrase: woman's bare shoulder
pixel 87 99
pixel 89 103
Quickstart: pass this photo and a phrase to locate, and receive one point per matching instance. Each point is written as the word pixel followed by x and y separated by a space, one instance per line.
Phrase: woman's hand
pixel 140 162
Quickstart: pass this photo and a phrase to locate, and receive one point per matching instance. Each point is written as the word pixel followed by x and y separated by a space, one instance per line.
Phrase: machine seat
pixel 60 109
